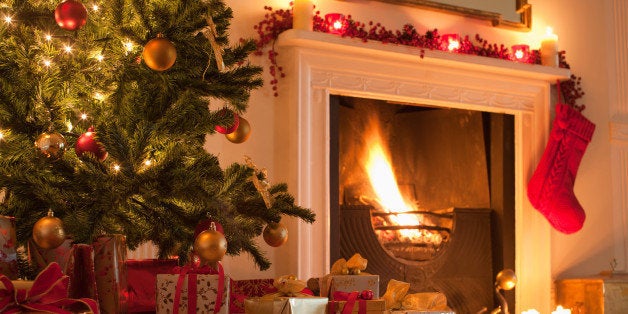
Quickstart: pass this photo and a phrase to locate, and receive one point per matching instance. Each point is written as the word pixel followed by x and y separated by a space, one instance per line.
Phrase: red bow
pixel 191 273
pixel 350 297
pixel 48 294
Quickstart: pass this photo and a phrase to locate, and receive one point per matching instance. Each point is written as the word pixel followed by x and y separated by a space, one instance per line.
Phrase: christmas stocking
pixel 551 188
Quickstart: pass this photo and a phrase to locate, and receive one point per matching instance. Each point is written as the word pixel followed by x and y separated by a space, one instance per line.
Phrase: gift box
pixel 142 280
pixel 286 305
pixel 40 258
pixel 422 312
pixel 332 283
pixel 8 255
pixel 370 307
pixel 243 289
pixel 80 269
pixel 205 298
pixel 110 270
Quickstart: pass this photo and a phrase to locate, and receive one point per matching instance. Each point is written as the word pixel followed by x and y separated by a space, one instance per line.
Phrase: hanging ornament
pixel 52 145
pixel 211 34
pixel 87 143
pixel 226 129
pixel 71 15
pixel 262 186
pixel 275 234
pixel 210 245
pixel 159 53
pixel 206 224
pixel 241 134
pixel 48 232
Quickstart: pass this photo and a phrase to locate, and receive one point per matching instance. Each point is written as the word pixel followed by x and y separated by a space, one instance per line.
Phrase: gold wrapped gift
pixel 397 298
pixel 372 307
pixel 348 276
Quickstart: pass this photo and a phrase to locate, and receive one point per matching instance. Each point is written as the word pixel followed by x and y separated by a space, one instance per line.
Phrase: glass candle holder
pixel 450 42
pixel 335 23
pixel 520 53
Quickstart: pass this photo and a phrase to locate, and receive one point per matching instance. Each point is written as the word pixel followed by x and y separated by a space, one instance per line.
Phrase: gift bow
pixel 288 286
pixel 49 294
pixel 354 266
pixel 397 297
pixel 190 272
pixel 350 297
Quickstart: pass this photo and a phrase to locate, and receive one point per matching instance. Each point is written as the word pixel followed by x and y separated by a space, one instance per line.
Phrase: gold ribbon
pixel 211 34
pixel 396 298
pixel 287 286
pixel 261 186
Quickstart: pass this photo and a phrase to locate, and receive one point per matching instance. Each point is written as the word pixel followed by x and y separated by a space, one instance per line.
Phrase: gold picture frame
pixel 523 11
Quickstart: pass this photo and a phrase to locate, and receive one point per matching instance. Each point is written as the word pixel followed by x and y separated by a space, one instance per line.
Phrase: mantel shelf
pixel 376 49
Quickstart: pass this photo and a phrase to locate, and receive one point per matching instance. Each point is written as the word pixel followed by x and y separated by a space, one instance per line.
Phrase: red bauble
pixel 230 128
pixel 87 143
pixel 366 295
pixel 71 15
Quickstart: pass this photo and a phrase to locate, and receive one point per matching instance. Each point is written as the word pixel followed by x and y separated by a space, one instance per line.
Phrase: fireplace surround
pixel 318 65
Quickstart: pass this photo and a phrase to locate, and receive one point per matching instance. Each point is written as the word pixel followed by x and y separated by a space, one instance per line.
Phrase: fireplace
pixel 320 65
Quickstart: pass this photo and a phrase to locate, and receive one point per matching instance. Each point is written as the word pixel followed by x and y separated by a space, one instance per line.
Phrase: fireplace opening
pixel 449 225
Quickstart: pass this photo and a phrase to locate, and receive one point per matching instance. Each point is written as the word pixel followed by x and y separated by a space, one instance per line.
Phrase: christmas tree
pixel 104 111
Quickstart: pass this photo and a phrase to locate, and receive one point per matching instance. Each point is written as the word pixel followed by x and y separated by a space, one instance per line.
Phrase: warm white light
pixel 67 48
pixel 100 57
pixel 128 46
pixel 48 37
pixel 95 7
pixel 99 96
pixel 453 44
pixel 8 19
pixel 1 135
pixel 84 116
pixel 338 25
pixel 148 162
pixel 47 63
pixel 531 311
pixel 519 54
pixel 561 310
pixel 116 168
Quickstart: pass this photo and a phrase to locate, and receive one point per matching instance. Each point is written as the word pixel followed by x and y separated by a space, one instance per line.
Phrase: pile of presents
pixel 80 278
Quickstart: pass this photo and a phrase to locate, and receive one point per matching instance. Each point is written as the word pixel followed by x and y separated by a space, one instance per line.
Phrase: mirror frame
pixel 523 9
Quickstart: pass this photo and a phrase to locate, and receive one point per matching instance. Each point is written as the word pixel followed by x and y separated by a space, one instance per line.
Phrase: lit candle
pixel 451 42
pixel 335 22
pixel 561 310
pixel 520 53
pixel 549 49
pixel 303 15
pixel 531 311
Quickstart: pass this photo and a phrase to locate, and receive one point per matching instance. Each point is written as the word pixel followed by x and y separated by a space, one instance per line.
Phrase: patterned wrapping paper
pixel 80 269
pixel 332 283
pixel 206 294
pixel 110 270
pixel 40 258
pixel 242 289
pixel 286 305
pixel 8 255
pixel 372 307
pixel 142 280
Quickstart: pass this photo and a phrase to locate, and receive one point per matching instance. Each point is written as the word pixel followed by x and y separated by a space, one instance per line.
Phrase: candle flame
pixel 519 54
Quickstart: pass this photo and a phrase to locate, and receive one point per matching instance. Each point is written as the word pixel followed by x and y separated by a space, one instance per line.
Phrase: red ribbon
pixel 191 273
pixel 48 294
pixel 350 297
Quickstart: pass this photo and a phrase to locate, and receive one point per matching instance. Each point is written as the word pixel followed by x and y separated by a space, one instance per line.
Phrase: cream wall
pixel 584 30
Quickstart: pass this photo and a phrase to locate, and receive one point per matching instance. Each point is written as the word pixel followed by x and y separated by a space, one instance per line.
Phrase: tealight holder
pixel 520 53
pixel 335 23
pixel 450 42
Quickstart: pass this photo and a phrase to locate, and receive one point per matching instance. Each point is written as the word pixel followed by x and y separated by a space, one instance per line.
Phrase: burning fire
pixel 384 183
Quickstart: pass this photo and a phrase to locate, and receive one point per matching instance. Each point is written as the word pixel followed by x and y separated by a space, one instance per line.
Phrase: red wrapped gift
pixel 242 289
pixel 80 269
pixel 110 270
pixel 48 294
pixel 142 280
pixel 40 258
pixel 8 255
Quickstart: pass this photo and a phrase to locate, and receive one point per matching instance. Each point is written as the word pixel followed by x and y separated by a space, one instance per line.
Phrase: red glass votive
pixel 335 23
pixel 520 53
pixel 450 42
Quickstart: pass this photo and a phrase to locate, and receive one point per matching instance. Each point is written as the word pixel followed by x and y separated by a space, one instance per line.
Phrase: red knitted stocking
pixel 551 188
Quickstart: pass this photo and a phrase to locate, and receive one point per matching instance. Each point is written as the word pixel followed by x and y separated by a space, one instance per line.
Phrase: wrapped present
pixel 142 280
pixel 80 269
pixel 8 254
pixel 349 276
pixel 397 298
pixel 422 312
pixel 40 258
pixel 110 270
pixel 250 288
pixel 351 302
pixel 193 290
pixel 48 293
pixel 286 305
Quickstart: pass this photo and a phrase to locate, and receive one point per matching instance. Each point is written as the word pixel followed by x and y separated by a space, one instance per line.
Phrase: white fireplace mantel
pixel 318 65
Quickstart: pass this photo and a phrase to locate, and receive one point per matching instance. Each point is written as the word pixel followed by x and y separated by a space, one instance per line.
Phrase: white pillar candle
pixel 561 310
pixel 302 14
pixel 549 49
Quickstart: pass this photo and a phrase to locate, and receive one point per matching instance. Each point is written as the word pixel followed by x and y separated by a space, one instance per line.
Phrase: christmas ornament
pixel 48 232
pixel 210 245
pixel 275 234
pixel 228 128
pixel 206 224
pixel 211 34
pixel 71 15
pixel 159 53
pixel 241 134
pixel 366 295
pixel 87 143
pixel 550 189
pixel 52 145
pixel 262 186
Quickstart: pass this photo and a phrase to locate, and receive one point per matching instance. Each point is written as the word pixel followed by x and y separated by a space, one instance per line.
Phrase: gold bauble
pixel 48 232
pixel 159 53
pixel 506 279
pixel 275 234
pixel 210 246
pixel 241 134
pixel 52 145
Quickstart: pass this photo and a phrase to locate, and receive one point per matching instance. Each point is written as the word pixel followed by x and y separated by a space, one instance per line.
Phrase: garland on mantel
pixel 277 21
